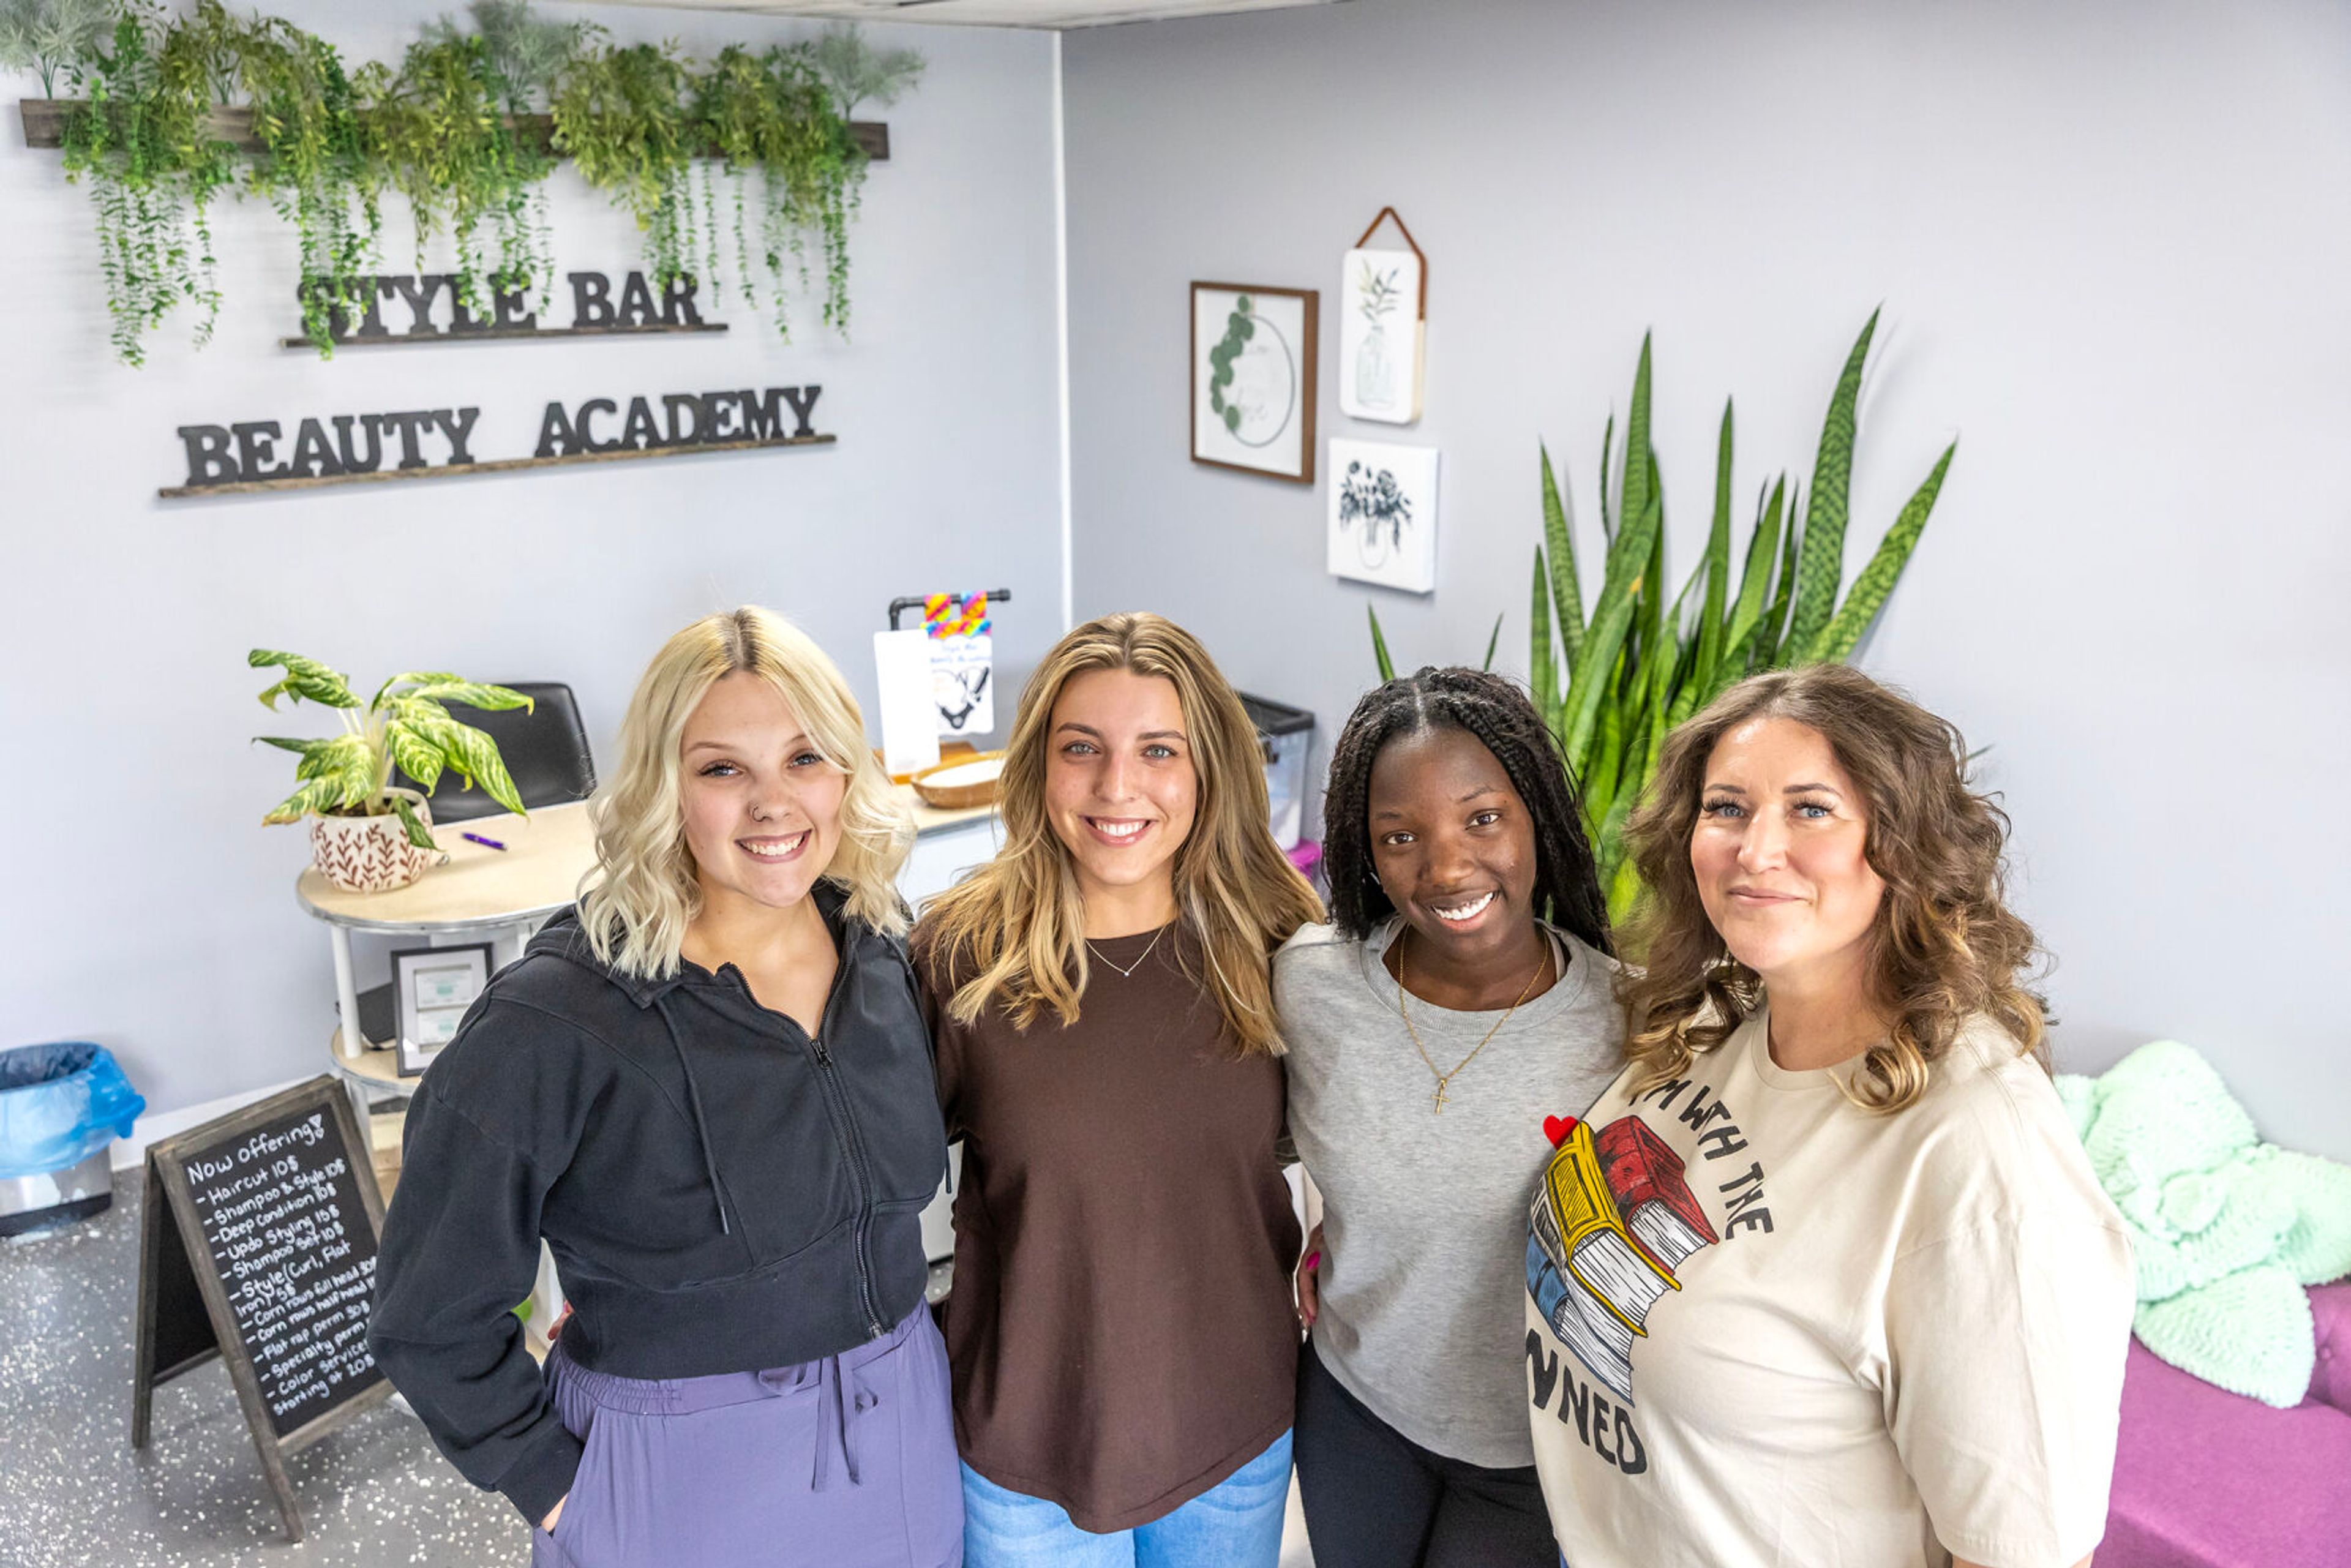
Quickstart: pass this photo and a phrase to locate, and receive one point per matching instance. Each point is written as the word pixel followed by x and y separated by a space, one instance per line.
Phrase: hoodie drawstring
pixel 693 1099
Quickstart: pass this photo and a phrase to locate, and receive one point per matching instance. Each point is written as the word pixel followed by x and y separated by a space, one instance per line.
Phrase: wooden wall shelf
pixel 495 465
pixel 44 126
pixel 502 335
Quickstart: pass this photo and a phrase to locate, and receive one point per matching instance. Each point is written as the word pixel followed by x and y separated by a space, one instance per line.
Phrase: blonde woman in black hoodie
pixel 709 1089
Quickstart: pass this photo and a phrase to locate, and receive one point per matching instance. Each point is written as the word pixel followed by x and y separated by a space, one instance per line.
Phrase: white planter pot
pixel 370 854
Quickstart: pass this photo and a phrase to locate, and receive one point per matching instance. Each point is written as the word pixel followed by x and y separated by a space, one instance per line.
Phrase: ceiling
pixel 1054 14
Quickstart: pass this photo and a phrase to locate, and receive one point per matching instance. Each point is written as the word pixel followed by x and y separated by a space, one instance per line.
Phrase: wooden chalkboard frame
pixel 184 1318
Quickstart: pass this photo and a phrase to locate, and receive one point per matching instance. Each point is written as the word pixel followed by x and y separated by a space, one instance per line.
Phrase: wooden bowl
pixel 963 783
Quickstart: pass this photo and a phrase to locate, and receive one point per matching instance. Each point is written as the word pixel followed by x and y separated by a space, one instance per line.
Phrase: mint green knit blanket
pixel 2225 1229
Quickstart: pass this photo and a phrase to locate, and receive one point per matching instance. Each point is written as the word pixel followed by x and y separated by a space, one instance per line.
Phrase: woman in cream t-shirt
pixel 1824 1277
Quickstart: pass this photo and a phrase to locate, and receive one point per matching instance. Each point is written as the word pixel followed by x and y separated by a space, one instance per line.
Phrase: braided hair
pixel 1494 710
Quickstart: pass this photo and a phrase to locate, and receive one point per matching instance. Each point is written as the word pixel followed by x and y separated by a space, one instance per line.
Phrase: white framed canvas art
pixel 1253 378
pixel 1382 336
pixel 1384 514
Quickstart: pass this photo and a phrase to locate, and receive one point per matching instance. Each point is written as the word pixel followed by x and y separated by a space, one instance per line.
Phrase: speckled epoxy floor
pixel 72 1492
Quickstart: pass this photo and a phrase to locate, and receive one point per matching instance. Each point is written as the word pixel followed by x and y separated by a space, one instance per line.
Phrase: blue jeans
pixel 1237 1523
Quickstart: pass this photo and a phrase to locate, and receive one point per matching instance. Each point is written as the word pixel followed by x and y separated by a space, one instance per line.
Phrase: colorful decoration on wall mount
pixel 175 111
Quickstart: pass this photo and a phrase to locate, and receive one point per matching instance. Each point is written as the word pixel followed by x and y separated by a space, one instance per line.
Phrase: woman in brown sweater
pixel 1121 1333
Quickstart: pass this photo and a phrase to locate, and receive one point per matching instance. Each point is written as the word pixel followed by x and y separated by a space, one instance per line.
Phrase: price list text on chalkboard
pixel 282 1217
pixel 259 1246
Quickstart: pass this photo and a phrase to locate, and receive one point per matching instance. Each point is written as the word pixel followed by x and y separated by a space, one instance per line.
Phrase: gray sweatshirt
pixel 1425 1212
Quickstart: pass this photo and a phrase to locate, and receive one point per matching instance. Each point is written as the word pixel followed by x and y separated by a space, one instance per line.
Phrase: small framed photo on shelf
pixel 431 988
pixel 1253 378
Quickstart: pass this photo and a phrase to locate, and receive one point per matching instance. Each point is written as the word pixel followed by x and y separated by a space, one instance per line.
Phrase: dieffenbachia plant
pixel 404 725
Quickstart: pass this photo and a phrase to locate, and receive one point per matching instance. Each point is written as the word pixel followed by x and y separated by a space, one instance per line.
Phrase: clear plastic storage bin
pixel 1286 734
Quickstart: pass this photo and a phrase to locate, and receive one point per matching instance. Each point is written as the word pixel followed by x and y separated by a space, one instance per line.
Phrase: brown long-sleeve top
pixel 1121 1333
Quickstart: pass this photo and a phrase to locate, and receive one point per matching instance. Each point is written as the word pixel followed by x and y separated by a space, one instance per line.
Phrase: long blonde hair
pixel 1014 929
pixel 1944 947
pixel 637 901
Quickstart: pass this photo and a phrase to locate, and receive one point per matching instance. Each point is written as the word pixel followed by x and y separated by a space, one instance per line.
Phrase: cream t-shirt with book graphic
pixel 1767 1326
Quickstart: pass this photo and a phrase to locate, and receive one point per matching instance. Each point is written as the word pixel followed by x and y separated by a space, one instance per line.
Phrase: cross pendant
pixel 1440 1096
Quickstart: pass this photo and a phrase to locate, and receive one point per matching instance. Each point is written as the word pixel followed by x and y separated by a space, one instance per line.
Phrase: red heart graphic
pixel 1557 1128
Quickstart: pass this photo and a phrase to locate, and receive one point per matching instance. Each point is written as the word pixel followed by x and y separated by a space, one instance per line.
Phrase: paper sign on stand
pixel 910 713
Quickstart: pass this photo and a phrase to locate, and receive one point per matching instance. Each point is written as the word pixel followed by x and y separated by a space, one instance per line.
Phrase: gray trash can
pixel 61 1108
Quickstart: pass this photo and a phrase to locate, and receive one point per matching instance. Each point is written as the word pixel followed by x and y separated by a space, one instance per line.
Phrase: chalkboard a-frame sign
pixel 258 1246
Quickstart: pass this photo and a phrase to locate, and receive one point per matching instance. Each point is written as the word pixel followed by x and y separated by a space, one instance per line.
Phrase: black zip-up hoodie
pixel 721 1192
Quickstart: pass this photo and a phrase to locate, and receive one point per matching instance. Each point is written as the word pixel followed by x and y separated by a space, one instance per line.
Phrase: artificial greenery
pixel 144 140
pixel 654 130
pixel 855 72
pixel 1612 683
pixel 443 134
pixel 51 36
pixel 636 121
pixel 402 725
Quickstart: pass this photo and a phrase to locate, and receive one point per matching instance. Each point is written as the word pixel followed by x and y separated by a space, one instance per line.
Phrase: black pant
pixel 1375 1499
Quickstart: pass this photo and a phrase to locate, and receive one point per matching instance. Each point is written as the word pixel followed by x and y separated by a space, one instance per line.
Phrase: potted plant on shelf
pixel 367 834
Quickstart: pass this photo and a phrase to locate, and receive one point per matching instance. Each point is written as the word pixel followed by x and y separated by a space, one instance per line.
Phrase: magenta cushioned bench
pixel 2206 1479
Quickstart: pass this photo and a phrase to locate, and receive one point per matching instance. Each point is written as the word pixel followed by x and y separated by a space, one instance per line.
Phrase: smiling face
pixel 1780 850
pixel 1454 846
pixel 762 806
pixel 1120 787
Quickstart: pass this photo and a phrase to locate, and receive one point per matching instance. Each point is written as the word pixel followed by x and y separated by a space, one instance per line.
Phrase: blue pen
pixel 491 844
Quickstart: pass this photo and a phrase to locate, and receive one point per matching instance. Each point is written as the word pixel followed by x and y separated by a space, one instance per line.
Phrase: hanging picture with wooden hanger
pixel 1382 327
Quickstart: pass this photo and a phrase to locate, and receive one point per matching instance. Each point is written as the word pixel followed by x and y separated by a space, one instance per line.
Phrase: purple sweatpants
pixel 848 1462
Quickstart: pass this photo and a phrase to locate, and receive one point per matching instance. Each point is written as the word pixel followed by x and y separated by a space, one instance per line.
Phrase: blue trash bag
pixel 59 1104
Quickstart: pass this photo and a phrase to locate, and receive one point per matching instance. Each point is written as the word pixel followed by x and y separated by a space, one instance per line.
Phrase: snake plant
pixel 1611 682
pixel 1611 686
pixel 403 724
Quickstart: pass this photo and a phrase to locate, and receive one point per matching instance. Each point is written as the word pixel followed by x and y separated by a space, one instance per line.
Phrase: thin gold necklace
pixel 1128 970
pixel 1543 967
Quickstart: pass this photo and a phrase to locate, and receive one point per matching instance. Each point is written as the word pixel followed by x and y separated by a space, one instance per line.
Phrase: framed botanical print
pixel 1253 352
pixel 1384 514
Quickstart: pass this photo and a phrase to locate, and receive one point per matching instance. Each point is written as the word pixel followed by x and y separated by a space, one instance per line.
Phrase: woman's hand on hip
pixel 1309 1297
pixel 548 1524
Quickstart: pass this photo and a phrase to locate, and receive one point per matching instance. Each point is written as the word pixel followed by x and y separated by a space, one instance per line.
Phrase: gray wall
pixel 142 904
pixel 2111 244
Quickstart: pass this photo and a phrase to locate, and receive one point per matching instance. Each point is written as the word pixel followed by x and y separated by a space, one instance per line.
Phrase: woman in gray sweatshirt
pixel 1462 993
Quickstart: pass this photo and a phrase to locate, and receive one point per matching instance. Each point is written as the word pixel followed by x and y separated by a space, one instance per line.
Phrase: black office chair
pixel 545 748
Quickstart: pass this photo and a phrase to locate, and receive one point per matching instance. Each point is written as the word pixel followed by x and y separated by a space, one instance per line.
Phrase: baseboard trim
pixel 154 1128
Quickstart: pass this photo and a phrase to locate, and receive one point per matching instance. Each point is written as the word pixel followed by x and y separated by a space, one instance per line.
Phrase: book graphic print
pixel 1613 1217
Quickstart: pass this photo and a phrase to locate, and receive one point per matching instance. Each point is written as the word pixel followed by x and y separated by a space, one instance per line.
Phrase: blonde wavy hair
pixel 1944 947
pixel 1015 927
pixel 636 902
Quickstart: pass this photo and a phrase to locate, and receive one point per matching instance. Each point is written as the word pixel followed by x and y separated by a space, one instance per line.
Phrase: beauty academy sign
pixel 244 457
pixel 436 442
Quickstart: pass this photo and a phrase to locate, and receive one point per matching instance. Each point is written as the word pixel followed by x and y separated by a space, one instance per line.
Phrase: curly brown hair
pixel 1944 947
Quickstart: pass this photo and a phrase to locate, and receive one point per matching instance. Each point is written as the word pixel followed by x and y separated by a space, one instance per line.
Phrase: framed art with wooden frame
pixel 1253 351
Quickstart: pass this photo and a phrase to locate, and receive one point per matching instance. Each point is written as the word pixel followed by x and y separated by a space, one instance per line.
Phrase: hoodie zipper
pixel 844 1128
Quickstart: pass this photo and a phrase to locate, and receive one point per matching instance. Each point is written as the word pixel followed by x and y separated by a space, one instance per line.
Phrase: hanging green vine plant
pixel 321 171
pixel 771 113
pixel 620 116
pixel 653 132
pixel 141 140
pixel 444 136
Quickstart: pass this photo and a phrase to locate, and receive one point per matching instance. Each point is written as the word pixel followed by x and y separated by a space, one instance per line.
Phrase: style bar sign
pixel 269 454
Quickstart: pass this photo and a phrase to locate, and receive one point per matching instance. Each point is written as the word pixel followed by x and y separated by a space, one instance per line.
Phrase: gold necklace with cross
pixel 1444 1079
